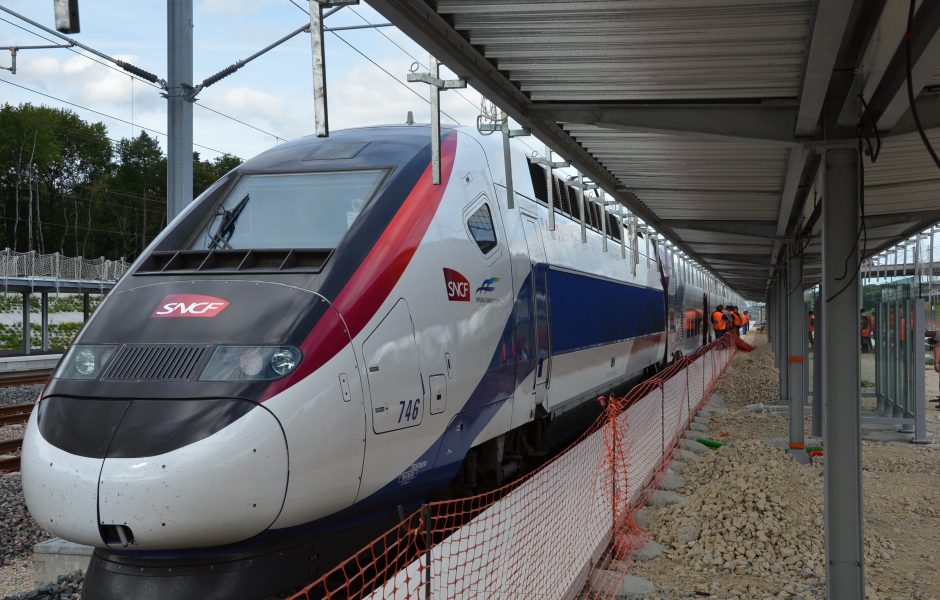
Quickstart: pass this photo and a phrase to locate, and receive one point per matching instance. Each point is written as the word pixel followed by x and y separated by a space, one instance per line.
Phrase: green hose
pixel 709 443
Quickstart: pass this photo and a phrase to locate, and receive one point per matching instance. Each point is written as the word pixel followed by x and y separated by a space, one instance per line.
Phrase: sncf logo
pixel 189 305
pixel 458 288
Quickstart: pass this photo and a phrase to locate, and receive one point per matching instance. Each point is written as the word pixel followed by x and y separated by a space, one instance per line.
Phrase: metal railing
pixel 899 363
pixel 32 265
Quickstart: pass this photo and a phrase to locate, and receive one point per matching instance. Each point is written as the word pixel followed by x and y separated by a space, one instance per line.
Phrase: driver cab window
pixel 482 230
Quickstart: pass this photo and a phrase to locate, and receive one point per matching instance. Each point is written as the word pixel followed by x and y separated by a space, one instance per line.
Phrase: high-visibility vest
pixel 745 319
pixel 736 319
pixel 718 321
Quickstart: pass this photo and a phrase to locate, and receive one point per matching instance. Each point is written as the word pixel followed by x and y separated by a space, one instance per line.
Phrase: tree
pixel 63 188
pixel 48 156
pixel 137 192
pixel 205 173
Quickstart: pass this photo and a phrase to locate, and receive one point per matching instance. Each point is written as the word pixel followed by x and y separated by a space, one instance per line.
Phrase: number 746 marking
pixel 409 410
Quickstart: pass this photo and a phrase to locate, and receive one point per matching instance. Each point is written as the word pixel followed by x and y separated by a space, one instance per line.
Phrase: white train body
pixel 437 340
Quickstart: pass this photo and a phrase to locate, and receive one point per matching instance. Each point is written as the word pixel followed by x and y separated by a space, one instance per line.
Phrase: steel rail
pixel 15 415
pixel 10 465
pixel 25 377
pixel 10 446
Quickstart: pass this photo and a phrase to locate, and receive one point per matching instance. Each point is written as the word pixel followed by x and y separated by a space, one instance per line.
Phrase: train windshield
pixel 289 210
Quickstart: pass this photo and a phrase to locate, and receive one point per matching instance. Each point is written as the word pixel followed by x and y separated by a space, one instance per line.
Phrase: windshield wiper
pixel 227 227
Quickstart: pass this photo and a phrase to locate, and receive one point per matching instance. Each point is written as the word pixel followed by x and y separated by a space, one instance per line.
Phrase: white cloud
pixel 234 8
pixel 82 81
pixel 258 108
pixel 366 96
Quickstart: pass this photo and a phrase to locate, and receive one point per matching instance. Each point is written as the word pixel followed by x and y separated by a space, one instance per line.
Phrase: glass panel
pixel 482 230
pixel 293 210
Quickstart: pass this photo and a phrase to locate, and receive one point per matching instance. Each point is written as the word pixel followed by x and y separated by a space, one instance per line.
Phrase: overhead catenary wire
pixel 133 77
pixel 417 60
pixel 119 119
pixel 143 74
pixel 97 200
pixel 74 133
pixel 368 58
pixel 387 72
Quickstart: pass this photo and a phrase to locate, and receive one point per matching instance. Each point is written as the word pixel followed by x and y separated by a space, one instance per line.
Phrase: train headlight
pixel 250 363
pixel 84 361
pixel 284 360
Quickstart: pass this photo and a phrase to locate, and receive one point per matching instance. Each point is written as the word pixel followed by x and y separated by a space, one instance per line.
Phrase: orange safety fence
pixel 543 535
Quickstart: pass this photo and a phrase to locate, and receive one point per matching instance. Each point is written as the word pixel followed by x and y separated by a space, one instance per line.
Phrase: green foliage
pixel 13 303
pixel 60 335
pixel 64 189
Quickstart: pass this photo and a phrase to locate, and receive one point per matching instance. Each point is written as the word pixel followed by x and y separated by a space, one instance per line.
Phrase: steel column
pixel 845 563
pixel 44 316
pixel 920 392
pixel 86 307
pixel 819 372
pixel 318 52
pixel 179 173
pixel 27 343
pixel 783 344
pixel 796 359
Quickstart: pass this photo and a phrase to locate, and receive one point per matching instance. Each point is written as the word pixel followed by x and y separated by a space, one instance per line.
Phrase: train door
pixel 540 320
pixel 395 381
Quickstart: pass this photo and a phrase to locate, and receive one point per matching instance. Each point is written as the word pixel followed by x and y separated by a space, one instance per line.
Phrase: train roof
pixel 356 148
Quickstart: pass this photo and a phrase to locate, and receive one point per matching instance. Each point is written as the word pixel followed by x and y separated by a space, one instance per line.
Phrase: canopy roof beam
pixel 829 24
pixel 768 122
pixel 890 102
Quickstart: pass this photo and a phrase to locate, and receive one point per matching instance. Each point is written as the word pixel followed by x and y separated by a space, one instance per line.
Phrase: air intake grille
pixel 147 362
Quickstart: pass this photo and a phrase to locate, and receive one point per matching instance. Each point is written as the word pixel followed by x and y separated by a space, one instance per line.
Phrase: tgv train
pixel 324 339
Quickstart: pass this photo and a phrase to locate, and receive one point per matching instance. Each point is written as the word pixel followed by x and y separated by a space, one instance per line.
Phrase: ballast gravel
pixel 755 513
pixel 18 532
pixel 751 524
pixel 67 587
pixel 20 394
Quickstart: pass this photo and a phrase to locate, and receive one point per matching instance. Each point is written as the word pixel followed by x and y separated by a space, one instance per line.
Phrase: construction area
pixel 780 155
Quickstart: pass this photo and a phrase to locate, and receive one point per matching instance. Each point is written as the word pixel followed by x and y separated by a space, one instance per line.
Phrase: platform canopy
pixel 708 118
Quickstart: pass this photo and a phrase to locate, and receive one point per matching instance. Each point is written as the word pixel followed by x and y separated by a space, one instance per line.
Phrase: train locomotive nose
pixel 174 474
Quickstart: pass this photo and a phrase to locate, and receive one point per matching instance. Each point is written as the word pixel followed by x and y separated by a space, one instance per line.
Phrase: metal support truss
pixel 437 84
pixel 550 182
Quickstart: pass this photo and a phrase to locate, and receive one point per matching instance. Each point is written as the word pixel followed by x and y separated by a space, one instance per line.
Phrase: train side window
pixel 481 228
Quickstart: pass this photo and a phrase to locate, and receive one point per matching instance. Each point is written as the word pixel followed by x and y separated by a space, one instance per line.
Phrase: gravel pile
pixel 751 379
pixel 68 587
pixel 18 531
pixel 20 394
pixel 752 512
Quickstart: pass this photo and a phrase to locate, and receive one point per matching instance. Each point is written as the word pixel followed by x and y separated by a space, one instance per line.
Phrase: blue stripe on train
pixel 595 302
pixel 587 311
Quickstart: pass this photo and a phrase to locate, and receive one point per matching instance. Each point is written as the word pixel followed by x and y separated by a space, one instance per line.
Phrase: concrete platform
pixel 56 557
pixel 10 364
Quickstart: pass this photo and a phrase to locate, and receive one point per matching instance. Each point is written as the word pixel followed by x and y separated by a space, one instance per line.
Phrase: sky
pixel 274 93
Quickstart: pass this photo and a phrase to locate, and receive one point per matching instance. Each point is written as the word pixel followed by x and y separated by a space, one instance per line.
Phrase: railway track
pixel 25 377
pixel 16 414
pixel 12 464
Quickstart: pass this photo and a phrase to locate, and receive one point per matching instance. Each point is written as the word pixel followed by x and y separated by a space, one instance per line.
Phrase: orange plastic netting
pixel 563 530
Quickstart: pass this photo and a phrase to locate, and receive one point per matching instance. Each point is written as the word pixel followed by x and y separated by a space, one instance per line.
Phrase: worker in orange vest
pixel 745 321
pixel 865 331
pixel 736 320
pixel 719 325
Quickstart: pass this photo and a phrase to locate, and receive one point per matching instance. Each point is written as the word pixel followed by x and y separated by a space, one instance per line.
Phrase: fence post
pixel 426 514
pixel 662 415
